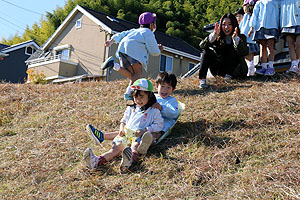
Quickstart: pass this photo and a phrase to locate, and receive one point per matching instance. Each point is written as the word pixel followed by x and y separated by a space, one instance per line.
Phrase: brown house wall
pixel 87 44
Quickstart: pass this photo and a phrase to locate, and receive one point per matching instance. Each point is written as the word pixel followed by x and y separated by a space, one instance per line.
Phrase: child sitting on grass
pixel 139 119
pixel 165 84
pixel 168 105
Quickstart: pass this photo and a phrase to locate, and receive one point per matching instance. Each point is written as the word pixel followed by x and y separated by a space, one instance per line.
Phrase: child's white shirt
pixel 136 119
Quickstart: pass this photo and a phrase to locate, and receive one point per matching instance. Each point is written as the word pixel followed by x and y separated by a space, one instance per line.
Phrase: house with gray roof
pixel 13 68
pixel 77 49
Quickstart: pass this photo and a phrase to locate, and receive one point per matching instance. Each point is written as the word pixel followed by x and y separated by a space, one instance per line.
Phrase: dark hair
pixel 249 8
pixel 151 98
pixel 234 23
pixel 165 77
pixel 145 26
pixel 239 11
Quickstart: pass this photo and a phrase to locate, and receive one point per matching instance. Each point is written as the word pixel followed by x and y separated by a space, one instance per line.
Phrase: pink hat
pixel 251 2
pixel 147 18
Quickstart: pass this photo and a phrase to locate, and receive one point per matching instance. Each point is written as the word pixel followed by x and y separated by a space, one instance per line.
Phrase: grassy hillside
pixel 237 140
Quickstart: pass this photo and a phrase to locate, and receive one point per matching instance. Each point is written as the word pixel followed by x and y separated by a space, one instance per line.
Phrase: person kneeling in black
pixel 224 51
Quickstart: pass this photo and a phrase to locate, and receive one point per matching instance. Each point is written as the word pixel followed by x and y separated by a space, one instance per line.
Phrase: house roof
pixel 2 46
pixel 19 46
pixel 114 25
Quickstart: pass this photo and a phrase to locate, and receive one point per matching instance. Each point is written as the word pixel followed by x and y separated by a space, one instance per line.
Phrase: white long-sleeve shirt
pixel 135 119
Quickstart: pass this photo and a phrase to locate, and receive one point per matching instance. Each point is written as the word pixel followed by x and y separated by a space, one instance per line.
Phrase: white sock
pixel 295 63
pixel 251 64
pixel 264 65
pixel 270 63
pixel 116 66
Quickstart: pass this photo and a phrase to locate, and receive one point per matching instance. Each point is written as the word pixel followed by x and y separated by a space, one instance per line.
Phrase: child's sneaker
pixel 145 143
pixel 91 161
pixel 108 63
pixel 203 84
pixel 94 134
pixel 261 71
pixel 294 69
pixel 126 160
pixel 270 71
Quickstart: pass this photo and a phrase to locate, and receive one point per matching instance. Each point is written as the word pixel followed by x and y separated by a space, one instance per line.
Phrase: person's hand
pixel 108 43
pixel 160 47
pixel 157 106
pixel 140 133
pixel 235 33
pixel 217 28
pixel 250 32
pixel 121 133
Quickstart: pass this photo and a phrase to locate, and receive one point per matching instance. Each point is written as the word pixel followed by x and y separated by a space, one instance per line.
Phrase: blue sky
pixel 14 19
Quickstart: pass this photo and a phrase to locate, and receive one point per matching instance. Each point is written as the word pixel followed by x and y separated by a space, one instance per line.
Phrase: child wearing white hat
pixel 139 120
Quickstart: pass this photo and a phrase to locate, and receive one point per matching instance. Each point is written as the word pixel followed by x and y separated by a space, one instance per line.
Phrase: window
pixel 191 66
pixel 29 50
pixel 78 23
pixel 64 54
pixel 166 63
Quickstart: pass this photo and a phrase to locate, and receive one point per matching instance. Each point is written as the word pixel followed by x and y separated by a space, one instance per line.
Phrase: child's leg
pixel 250 63
pixel 263 57
pixel 98 136
pixel 136 71
pixel 115 151
pixel 270 44
pixel 263 51
pixel 291 45
pixel 298 46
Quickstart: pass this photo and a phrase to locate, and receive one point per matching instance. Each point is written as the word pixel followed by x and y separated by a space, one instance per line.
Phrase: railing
pixel 44 59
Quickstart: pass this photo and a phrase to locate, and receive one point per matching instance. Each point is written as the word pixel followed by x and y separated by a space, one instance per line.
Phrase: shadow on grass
pixel 230 85
pixel 199 133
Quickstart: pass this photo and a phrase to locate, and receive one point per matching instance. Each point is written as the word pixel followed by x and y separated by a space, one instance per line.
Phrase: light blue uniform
pixel 138 44
pixel 290 13
pixel 245 28
pixel 169 110
pixel 266 14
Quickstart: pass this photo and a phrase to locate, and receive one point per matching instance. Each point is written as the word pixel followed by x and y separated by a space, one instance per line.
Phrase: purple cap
pixel 251 2
pixel 147 18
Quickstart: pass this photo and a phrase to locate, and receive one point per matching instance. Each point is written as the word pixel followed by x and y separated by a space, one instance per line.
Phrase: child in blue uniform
pixel 134 48
pixel 245 27
pixel 138 119
pixel 290 29
pixel 265 21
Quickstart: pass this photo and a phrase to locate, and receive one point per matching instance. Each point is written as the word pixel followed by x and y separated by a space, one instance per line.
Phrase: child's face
pixel 239 18
pixel 164 89
pixel 141 99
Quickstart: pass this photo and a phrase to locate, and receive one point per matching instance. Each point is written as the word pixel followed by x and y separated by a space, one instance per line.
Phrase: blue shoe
pixel 261 71
pixel 108 63
pixel 127 97
pixel 270 71
pixel 95 134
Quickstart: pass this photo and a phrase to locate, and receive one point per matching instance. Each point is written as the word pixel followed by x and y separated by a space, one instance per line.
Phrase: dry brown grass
pixel 237 140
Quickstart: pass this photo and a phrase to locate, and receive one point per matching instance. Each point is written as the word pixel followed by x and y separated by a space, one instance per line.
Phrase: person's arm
pixel 207 42
pixel 151 44
pixel 122 129
pixel 119 36
pixel 124 120
pixel 242 48
pixel 170 110
pixel 254 18
pixel 158 122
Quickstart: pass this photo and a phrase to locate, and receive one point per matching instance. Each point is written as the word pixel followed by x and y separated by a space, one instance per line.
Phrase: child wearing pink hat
pixel 133 51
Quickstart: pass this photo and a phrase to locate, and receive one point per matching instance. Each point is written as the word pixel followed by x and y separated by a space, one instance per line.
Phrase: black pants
pixel 221 63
